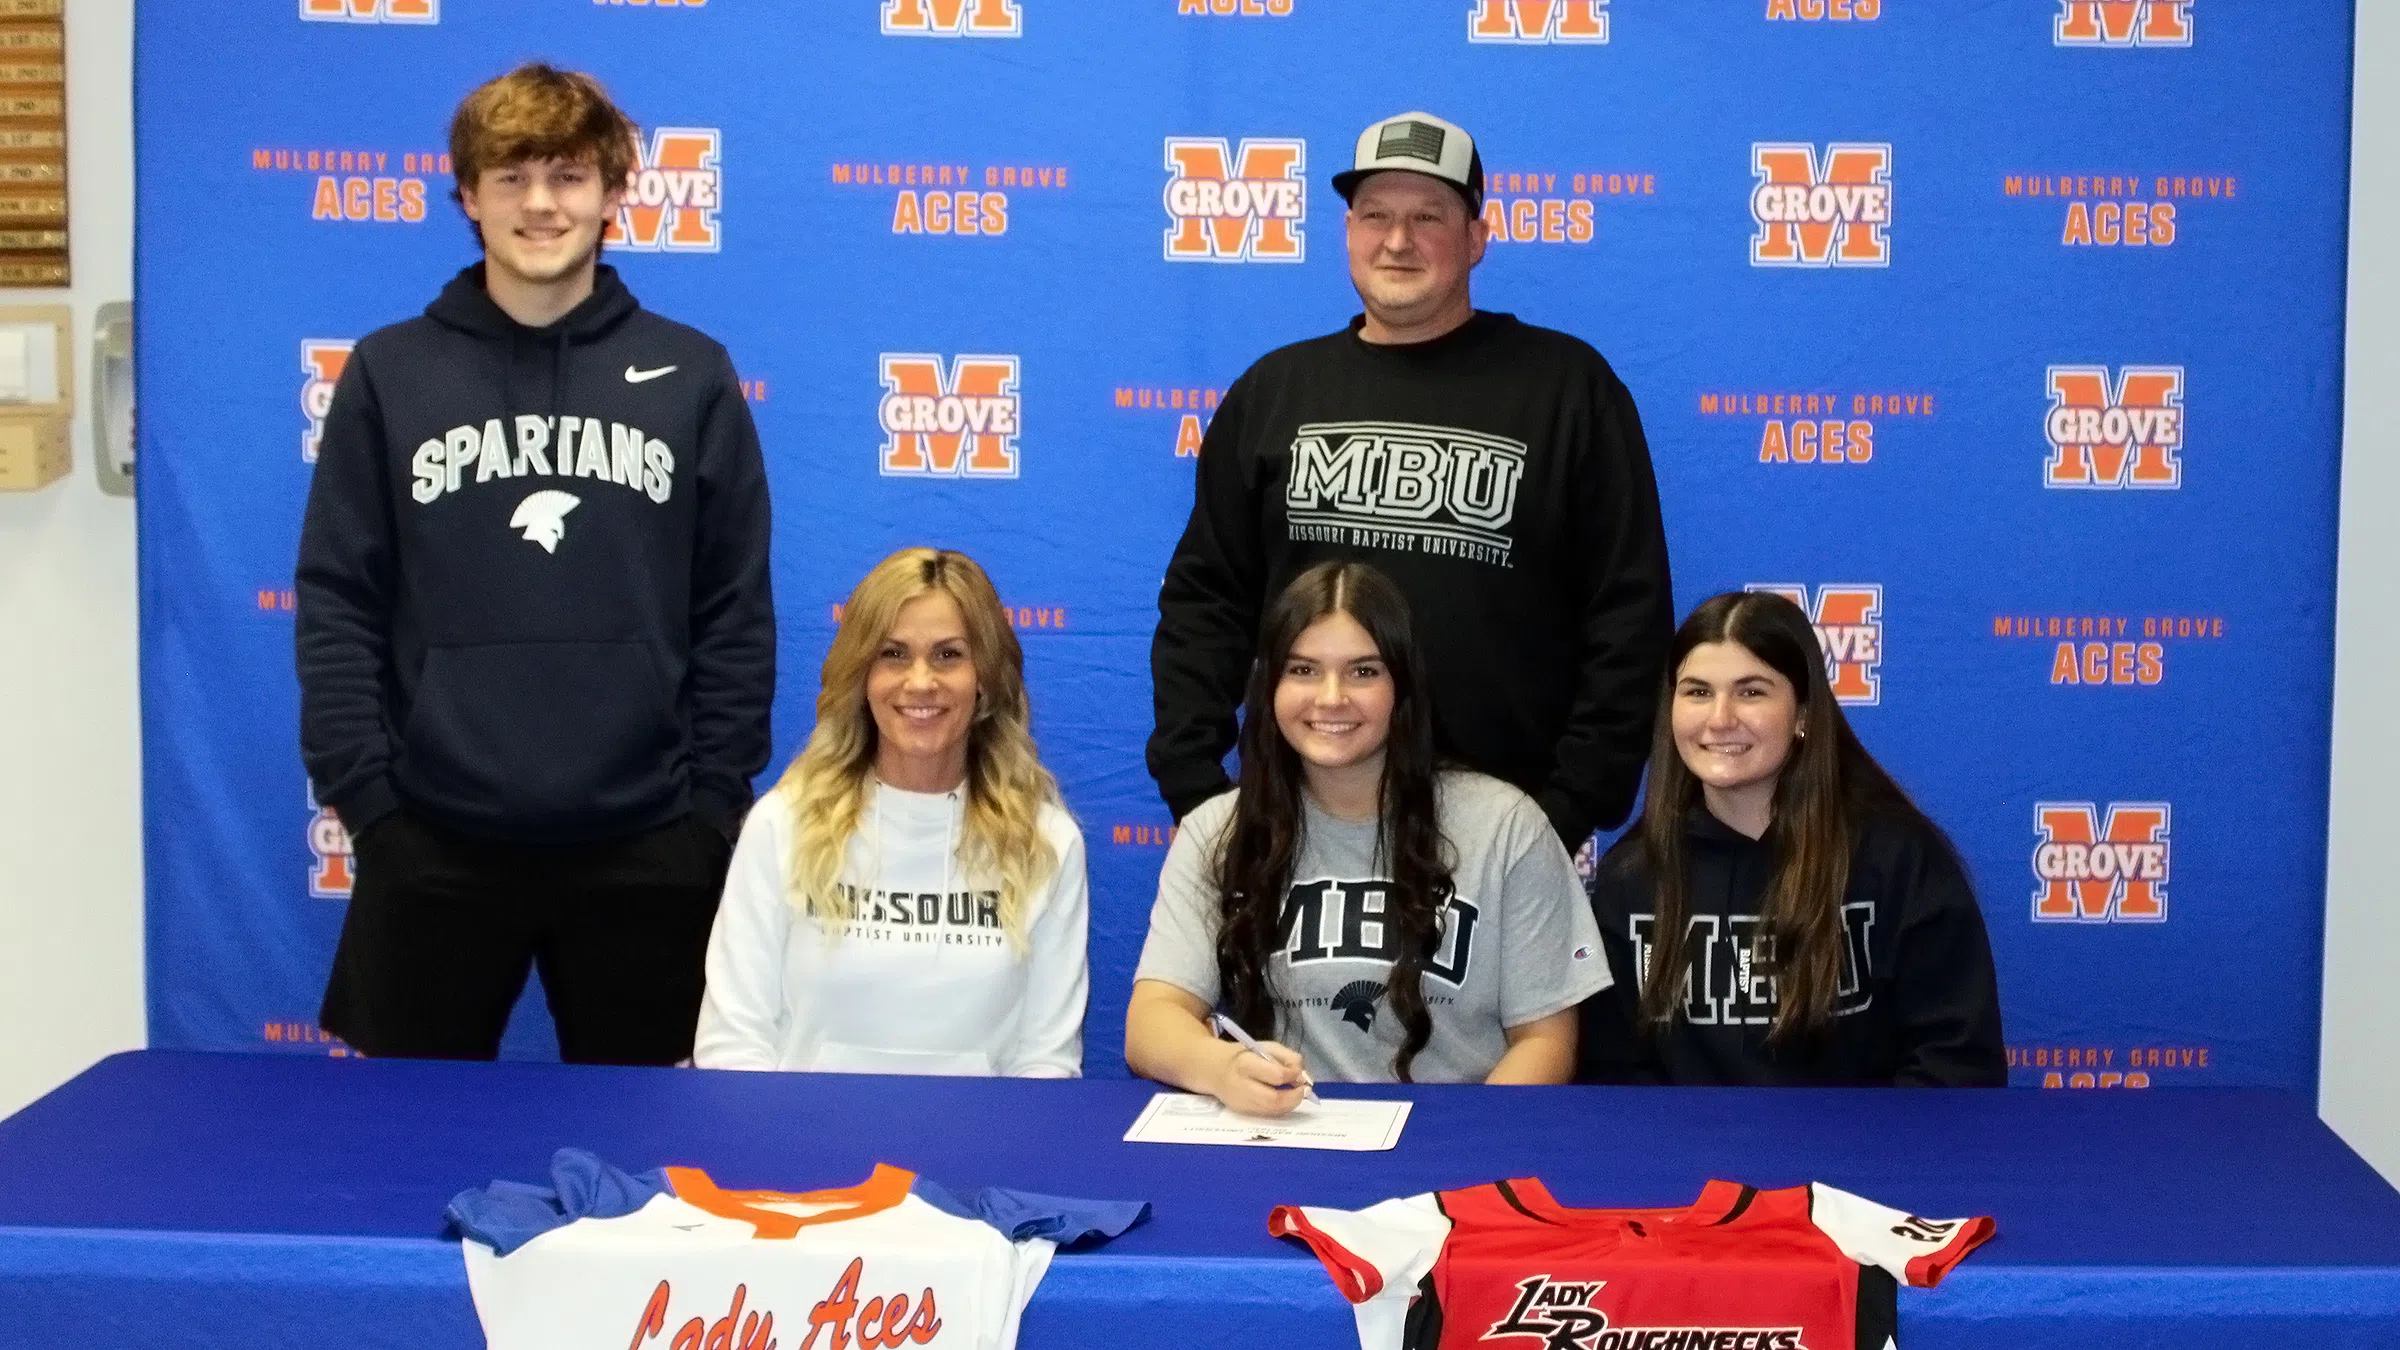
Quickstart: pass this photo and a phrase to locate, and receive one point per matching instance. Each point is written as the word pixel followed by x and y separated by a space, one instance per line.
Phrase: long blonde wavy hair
pixel 826 786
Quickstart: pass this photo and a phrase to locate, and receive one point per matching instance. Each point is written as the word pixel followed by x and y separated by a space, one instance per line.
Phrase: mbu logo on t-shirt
pixel 1343 919
pixel 1439 491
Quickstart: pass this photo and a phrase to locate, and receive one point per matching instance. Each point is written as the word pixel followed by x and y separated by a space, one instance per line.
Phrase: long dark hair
pixel 1254 862
pixel 1828 788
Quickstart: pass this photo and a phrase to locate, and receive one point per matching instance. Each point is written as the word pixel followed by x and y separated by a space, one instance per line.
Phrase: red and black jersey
pixel 1504 1265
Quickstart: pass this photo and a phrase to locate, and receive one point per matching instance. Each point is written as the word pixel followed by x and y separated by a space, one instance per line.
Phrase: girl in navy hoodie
pixel 1788 914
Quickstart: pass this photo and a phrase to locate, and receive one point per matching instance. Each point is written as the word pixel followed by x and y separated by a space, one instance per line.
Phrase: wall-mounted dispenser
pixel 112 397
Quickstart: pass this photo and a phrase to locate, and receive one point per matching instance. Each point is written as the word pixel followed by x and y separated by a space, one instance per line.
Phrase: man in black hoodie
pixel 1495 470
pixel 535 636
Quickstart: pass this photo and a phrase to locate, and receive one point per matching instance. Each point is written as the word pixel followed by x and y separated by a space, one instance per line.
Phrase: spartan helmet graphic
pixel 543 517
pixel 1356 1003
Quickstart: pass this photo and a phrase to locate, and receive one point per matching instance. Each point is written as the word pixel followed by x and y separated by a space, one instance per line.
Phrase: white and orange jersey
pixel 673 1259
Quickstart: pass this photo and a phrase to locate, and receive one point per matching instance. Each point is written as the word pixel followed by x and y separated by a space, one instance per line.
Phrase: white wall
pixel 70 760
pixel 2360 1094
pixel 70 793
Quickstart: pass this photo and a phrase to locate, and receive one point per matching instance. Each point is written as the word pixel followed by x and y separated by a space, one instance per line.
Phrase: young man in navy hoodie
pixel 535 635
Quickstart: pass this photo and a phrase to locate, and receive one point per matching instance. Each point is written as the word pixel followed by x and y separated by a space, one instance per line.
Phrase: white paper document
pixel 1352 1126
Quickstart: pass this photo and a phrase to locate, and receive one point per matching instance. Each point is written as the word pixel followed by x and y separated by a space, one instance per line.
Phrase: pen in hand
pixel 1224 1025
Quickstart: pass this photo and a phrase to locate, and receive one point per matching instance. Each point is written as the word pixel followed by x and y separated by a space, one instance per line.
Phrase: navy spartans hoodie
pixel 533 590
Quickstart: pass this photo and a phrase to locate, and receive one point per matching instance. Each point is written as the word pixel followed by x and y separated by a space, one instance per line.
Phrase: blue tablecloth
pixel 205 1200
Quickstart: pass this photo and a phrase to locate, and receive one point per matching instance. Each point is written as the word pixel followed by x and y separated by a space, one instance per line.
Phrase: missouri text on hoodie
pixel 533 590
pixel 917 975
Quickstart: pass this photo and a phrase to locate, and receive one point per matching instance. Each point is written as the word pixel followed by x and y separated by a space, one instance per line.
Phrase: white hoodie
pixel 920 979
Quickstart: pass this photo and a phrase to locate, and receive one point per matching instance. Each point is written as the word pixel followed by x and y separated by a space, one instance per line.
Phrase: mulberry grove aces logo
pixel 1829 212
pixel 953 18
pixel 329 872
pixel 1236 205
pixel 322 361
pixel 957 421
pixel 2121 432
pixel 371 11
pixel 1849 624
pixel 2096 871
pixel 1538 21
pixel 678 189
pixel 2122 23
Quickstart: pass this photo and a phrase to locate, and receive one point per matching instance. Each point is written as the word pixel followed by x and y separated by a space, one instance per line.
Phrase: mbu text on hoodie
pixel 533 589
pixel 1918 1004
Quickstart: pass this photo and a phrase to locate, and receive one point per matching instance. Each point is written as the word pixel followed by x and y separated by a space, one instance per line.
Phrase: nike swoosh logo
pixel 633 376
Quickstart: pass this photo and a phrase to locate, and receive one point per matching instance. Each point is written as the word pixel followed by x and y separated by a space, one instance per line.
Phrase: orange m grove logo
pixel 1236 207
pixel 1542 21
pixel 372 11
pixel 331 875
pixel 953 18
pixel 1849 623
pixel 677 190
pixel 2115 433
pixel 321 363
pixel 1832 212
pixel 2122 23
pixel 2092 874
pixel 962 421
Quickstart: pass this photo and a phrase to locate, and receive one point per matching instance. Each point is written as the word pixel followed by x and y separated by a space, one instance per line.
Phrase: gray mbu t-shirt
pixel 1517 939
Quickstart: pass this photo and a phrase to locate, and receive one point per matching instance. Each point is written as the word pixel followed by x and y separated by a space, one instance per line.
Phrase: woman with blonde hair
pixel 910 898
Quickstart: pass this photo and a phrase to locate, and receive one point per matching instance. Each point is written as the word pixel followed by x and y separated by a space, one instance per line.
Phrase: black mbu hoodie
pixel 1498 475
pixel 1918 1004
pixel 533 591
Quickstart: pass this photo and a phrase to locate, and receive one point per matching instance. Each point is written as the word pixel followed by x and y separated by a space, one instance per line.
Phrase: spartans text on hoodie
pixel 533 589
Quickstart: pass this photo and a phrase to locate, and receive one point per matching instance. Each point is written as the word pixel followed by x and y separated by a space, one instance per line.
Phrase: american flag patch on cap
pixel 1411 140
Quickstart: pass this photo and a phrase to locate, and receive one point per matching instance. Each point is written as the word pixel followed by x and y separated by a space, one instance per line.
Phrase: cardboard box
pixel 33 450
